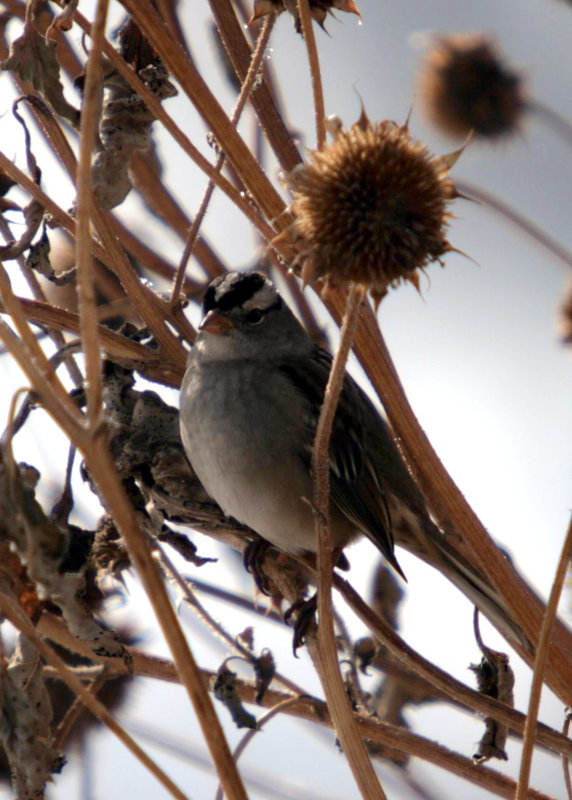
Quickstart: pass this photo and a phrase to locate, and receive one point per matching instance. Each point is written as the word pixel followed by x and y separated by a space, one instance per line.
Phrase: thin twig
pixel 469 698
pixel 32 358
pixel 86 285
pixel 249 735
pixel 338 701
pixel 540 666
pixel 445 498
pixel 77 708
pixel 179 136
pixel 314 61
pixel 232 642
pixel 20 621
pixel 246 89
pixel 194 85
pixel 558 123
pixel 162 669
pixel 523 223
pixel 565 758
pixel 102 468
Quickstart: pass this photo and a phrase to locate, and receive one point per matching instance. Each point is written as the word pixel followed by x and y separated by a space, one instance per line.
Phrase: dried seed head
pixel 466 86
pixel 319 9
pixel 372 207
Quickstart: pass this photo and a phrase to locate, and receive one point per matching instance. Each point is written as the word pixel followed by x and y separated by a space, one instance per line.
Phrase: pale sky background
pixel 478 355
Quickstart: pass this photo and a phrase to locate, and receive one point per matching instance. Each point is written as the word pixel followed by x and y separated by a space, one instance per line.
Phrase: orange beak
pixel 215 323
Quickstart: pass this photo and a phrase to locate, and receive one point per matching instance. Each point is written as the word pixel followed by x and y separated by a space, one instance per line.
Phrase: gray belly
pixel 251 466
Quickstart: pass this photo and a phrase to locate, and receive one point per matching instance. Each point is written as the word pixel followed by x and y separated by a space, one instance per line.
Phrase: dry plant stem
pixel 185 143
pixel 314 61
pixel 157 194
pixel 313 710
pixel 251 173
pixel 518 219
pixel 336 696
pixel 117 346
pixel 54 334
pixel 15 615
pixel 468 698
pixel 565 759
pixel 90 109
pixel 28 352
pixel 264 101
pixel 540 666
pixel 245 91
pixel 231 642
pixel 153 310
pixel 102 468
pixel 76 709
pixel 157 668
pixel 553 119
pixel 249 736
pixel 443 494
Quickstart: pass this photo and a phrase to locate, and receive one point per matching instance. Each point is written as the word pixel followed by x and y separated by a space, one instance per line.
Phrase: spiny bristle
pixel 371 207
pixel 319 9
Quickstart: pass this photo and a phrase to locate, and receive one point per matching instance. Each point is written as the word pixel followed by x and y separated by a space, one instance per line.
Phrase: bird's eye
pixel 255 316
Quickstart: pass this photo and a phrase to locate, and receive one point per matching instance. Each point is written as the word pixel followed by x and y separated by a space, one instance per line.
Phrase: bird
pixel 249 408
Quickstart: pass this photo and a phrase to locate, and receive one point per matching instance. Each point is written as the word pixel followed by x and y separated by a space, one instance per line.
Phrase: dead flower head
pixel 319 9
pixel 371 208
pixel 466 86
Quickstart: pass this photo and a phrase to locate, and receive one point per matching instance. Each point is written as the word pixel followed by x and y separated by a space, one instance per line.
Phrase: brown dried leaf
pixel 64 20
pixel 264 669
pixel 225 690
pixel 33 216
pixel 25 719
pixel 495 678
pixel 33 58
pixel 46 547
pixel 38 259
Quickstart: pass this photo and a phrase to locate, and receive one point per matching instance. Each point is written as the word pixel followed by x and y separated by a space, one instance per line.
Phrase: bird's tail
pixel 427 542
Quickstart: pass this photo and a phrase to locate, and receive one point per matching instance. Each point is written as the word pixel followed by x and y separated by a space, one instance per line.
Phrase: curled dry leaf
pixel 125 126
pixel 25 720
pixel 33 58
pixel 38 259
pixel 33 216
pixel 64 20
pixel 495 678
pixel 264 669
pixel 225 690
pixel 49 551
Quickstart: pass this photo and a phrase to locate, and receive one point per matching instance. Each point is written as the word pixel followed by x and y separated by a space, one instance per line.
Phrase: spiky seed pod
pixel 319 9
pixel 371 208
pixel 466 86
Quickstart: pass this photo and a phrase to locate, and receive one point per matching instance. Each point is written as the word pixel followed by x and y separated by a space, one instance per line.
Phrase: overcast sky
pixel 478 354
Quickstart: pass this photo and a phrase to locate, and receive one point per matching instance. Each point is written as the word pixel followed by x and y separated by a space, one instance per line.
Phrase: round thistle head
pixel 371 208
pixel 466 86
pixel 319 9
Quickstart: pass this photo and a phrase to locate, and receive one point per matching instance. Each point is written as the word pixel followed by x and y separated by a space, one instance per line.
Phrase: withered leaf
pixel 225 691
pixel 264 669
pixel 495 678
pixel 33 58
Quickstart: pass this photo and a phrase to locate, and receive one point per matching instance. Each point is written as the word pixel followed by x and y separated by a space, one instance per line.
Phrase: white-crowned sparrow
pixel 250 403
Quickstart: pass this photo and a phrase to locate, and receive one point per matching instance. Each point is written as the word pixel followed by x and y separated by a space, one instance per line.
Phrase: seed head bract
pixel 371 207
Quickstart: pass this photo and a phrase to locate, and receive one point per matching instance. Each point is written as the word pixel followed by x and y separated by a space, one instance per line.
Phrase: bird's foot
pixel 305 616
pixel 253 559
